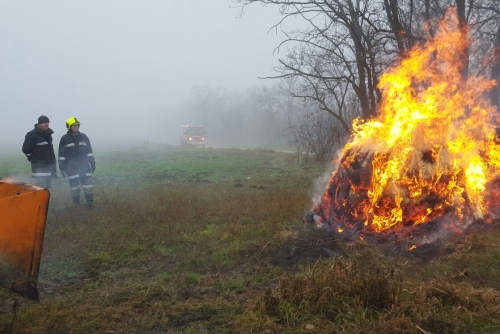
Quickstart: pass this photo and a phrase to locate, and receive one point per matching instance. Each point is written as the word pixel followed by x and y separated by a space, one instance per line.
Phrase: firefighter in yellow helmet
pixel 76 162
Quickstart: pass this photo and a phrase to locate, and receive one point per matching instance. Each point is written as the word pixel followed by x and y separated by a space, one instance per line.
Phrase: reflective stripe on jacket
pixel 75 151
pixel 38 148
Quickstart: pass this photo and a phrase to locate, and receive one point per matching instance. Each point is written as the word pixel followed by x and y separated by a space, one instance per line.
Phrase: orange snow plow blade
pixel 23 213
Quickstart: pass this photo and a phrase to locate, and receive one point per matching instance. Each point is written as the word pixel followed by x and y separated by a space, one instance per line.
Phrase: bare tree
pixel 309 129
pixel 347 44
pixel 487 28
pixel 345 47
pixel 317 133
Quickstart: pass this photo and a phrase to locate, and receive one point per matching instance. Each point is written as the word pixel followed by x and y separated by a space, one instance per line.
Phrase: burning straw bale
pixel 427 164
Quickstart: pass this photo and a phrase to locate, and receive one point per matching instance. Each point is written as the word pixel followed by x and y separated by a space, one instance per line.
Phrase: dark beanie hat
pixel 43 119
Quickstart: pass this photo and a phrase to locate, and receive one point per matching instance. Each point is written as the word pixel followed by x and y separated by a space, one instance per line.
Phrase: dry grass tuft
pixel 373 294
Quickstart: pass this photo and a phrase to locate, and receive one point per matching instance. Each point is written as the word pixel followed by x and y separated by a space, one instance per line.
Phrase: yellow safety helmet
pixel 72 121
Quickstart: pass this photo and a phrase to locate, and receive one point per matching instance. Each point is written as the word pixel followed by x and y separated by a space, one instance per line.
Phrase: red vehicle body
pixel 193 135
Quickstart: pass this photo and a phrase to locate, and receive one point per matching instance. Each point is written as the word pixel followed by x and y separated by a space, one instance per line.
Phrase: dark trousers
pixel 42 181
pixel 81 176
pixel 42 173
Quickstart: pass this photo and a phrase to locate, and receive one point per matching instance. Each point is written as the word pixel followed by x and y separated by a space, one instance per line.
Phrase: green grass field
pixel 212 241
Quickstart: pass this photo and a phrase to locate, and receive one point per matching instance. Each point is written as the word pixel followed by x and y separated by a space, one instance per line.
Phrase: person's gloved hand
pixel 63 173
pixel 92 168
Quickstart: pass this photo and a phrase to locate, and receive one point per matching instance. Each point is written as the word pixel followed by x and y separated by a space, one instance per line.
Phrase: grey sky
pixel 123 66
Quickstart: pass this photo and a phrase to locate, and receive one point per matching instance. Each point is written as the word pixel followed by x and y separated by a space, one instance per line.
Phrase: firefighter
pixel 39 151
pixel 76 162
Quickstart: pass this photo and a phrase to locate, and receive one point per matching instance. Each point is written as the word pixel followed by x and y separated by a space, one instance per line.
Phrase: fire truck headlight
pixel 190 138
pixel 203 139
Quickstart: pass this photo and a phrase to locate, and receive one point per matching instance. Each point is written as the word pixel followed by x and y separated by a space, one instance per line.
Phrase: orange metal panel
pixel 23 213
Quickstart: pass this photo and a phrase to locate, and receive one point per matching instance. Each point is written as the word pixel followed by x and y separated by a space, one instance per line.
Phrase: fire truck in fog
pixel 193 135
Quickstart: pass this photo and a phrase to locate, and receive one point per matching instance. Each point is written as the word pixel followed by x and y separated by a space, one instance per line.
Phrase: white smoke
pixel 322 181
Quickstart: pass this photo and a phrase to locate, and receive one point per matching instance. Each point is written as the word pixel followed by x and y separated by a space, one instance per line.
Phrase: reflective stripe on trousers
pixel 41 174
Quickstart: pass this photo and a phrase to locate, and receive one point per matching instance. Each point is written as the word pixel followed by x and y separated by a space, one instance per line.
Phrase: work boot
pixel 76 201
pixel 90 200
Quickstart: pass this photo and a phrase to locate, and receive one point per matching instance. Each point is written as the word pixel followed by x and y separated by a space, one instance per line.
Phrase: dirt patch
pixel 309 246
pixel 315 244
pixel 306 248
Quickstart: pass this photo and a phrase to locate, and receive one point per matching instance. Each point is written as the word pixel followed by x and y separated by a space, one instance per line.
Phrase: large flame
pixel 432 149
